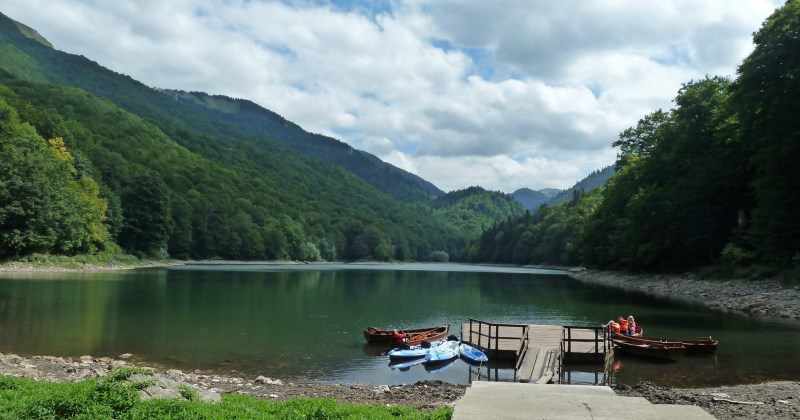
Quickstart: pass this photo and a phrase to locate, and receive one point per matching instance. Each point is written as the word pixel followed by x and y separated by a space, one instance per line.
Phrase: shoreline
pixel 424 395
pixel 777 399
pixel 767 299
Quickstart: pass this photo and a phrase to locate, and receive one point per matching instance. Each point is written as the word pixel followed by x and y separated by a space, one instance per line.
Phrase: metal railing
pixel 600 340
pixel 490 340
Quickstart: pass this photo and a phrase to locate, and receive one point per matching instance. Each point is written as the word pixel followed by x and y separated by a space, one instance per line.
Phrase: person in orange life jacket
pixel 623 325
pixel 613 327
pixel 631 325
pixel 398 336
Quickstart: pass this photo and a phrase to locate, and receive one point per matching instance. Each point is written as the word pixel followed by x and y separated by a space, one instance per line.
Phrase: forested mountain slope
pixel 170 179
pixel 475 209
pixel 254 119
pixel 593 180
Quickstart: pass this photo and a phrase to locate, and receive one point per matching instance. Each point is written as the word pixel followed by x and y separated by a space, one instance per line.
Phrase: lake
pixel 305 322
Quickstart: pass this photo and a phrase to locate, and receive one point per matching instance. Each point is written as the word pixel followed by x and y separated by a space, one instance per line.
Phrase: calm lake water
pixel 300 322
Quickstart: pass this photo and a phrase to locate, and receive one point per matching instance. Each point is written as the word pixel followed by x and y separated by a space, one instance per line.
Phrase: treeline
pixel 715 181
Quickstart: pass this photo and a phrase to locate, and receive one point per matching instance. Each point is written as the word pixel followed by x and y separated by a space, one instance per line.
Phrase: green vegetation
pixel 712 182
pixel 475 209
pixel 112 397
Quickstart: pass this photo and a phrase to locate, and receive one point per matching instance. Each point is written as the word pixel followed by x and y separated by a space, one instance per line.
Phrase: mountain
pixel 595 179
pixel 550 192
pixel 475 209
pixel 192 175
pixel 530 199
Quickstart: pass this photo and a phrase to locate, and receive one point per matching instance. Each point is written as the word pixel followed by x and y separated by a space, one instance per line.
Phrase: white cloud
pixel 500 94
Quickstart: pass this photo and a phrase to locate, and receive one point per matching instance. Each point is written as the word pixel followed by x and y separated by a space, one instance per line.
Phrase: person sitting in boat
pixel 613 327
pixel 398 336
pixel 623 325
pixel 631 325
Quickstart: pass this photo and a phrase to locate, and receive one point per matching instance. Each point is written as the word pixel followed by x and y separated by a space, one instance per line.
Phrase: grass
pixel 111 397
pixel 77 262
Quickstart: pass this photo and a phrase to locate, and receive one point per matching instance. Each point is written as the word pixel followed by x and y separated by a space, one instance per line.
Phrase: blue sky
pixel 503 94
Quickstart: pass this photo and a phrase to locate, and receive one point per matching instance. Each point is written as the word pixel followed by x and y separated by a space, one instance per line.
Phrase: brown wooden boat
pixel 657 350
pixel 699 345
pixel 413 337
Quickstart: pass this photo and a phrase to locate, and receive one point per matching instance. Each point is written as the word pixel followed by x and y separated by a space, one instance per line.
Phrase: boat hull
pixel 411 352
pixel 443 353
pixel 662 351
pixel 413 337
pixel 472 354
pixel 699 345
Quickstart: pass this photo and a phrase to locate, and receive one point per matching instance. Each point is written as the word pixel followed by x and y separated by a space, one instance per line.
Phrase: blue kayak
pixel 414 351
pixel 442 352
pixel 472 354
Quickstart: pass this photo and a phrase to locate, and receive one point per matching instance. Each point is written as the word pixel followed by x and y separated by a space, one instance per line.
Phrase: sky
pixel 503 94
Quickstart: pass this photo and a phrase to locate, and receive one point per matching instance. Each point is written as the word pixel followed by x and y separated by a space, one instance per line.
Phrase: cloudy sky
pixel 503 94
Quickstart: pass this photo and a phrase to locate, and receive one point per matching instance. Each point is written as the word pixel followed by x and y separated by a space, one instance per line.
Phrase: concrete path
pixel 509 400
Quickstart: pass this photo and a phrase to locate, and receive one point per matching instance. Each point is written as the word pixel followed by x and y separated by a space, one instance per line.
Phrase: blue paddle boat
pixel 472 354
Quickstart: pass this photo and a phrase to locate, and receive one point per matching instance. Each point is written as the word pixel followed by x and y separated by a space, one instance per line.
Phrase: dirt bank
pixel 772 400
pixel 765 298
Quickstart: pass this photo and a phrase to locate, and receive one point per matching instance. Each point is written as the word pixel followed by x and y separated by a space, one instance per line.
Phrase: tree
pixel 147 214
pixel 767 97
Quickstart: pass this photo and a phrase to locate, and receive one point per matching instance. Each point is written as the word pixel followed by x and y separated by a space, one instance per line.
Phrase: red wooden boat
pixel 658 350
pixel 699 345
pixel 413 337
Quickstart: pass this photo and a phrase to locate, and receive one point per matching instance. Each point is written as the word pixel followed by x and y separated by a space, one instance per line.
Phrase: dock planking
pixel 541 356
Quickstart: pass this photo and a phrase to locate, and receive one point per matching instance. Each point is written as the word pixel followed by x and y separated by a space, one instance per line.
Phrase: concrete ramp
pixel 509 400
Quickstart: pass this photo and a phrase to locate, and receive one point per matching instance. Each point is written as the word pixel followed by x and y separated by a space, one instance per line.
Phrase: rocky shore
pixel 167 383
pixel 764 298
pixel 772 400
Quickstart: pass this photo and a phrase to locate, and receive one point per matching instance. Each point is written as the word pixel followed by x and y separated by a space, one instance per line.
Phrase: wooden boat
pixel 472 354
pixel 664 351
pixel 413 337
pixel 699 345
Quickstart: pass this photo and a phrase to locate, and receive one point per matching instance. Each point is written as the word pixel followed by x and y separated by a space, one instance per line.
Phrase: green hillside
pixel 254 119
pixel 475 209
pixel 173 180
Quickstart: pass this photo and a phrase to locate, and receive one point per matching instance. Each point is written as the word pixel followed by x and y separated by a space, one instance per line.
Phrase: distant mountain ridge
pixel 593 180
pixel 531 199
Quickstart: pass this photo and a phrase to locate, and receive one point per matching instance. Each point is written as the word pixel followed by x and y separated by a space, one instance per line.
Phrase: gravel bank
pixel 765 298
pixel 772 400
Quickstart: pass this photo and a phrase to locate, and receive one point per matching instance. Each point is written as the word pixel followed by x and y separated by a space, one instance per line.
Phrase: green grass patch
pixel 111 397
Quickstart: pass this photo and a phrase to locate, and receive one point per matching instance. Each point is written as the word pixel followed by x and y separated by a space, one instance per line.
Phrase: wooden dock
pixel 538 350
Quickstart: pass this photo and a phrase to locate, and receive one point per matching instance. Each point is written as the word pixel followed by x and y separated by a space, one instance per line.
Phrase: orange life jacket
pixel 615 328
pixel 623 325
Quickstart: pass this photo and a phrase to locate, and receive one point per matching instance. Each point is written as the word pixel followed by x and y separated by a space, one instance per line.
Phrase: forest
pixel 711 184
pixel 96 162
